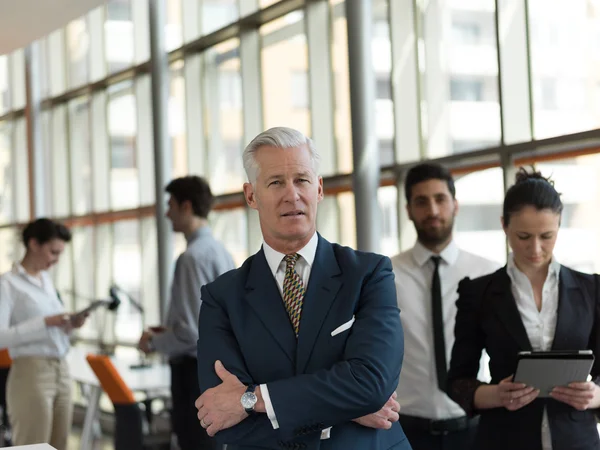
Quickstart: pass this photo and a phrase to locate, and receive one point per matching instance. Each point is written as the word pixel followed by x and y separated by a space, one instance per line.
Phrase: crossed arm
pixel 361 384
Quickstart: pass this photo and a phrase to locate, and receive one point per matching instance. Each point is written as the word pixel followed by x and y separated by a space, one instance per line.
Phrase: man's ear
pixel 320 192
pixel 186 207
pixel 33 244
pixel 250 195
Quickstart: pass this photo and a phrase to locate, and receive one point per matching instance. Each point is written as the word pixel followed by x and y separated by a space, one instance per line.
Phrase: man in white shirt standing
pixel 427 278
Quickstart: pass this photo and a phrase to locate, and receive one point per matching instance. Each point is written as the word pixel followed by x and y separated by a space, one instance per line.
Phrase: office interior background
pixel 482 86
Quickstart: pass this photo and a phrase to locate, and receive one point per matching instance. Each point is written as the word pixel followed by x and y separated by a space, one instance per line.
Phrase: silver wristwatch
pixel 249 399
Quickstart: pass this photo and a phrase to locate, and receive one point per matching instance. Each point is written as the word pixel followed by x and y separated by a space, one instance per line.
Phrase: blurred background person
pixel 35 329
pixel 203 261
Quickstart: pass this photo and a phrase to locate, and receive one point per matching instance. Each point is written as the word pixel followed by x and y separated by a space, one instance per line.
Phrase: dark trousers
pixel 424 440
pixel 4 425
pixel 184 418
pixel 3 378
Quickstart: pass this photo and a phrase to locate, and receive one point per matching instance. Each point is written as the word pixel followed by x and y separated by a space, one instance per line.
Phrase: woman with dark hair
pixel 35 329
pixel 533 303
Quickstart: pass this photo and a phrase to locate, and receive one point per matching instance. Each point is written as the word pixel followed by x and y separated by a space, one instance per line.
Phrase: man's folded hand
pixel 383 418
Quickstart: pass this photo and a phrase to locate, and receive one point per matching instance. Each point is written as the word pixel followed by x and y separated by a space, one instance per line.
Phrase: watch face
pixel 248 400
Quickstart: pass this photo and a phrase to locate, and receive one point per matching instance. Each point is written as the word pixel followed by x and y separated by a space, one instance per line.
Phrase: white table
pixel 35 447
pixel 153 381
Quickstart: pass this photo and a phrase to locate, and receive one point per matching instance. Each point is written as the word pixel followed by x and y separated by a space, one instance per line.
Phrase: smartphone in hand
pixel 158 329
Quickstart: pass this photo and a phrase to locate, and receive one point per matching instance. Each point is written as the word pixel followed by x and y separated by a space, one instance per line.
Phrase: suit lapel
pixel 506 308
pixel 323 286
pixel 569 299
pixel 263 295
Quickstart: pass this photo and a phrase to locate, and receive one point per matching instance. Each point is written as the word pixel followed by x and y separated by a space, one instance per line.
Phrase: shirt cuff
pixel 326 433
pixel 32 330
pixel 269 406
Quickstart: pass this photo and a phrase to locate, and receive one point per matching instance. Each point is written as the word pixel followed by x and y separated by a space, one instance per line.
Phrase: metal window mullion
pixel 140 18
pixel 514 72
pixel 191 19
pixel 529 70
pixel 33 99
pixel 100 152
pixel 320 80
pixel 162 148
pixel 508 176
pixel 97 51
pixel 406 231
pixel 144 142
pixel 247 7
pixel 252 108
pixel 194 79
pixel 365 147
pixel 406 83
pixel 252 104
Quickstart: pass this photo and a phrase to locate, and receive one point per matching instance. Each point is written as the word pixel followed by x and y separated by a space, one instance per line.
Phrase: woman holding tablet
pixel 532 304
pixel 35 329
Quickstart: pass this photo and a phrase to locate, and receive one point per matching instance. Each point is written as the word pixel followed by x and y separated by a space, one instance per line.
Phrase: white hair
pixel 279 137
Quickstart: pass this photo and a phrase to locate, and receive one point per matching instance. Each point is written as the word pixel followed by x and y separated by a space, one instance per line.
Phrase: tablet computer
pixel 546 370
pixel 94 305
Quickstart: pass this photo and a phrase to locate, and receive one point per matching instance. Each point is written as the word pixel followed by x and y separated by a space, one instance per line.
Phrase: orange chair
pixel 129 419
pixel 5 363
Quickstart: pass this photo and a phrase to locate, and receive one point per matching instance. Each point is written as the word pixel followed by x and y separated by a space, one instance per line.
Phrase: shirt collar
pixel 512 269
pixel 421 254
pixel 274 258
pixel 202 231
pixel 18 269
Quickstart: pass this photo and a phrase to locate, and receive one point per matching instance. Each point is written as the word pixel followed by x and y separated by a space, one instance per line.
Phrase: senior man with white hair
pixel 302 346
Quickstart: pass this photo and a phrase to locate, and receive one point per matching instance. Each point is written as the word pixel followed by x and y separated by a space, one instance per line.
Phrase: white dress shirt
pixel 540 325
pixel 24 302
pixel 418 391
pixel 277 265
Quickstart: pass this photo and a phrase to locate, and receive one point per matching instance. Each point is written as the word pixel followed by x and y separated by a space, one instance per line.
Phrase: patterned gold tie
pixel 293 291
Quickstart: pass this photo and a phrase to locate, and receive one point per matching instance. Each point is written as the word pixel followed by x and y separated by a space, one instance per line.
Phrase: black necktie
pixel 438 325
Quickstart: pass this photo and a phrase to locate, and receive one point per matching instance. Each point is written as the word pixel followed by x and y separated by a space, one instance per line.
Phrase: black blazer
pixel 488 318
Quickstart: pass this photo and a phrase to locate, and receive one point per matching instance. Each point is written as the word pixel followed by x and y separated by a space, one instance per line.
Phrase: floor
pixel 105 443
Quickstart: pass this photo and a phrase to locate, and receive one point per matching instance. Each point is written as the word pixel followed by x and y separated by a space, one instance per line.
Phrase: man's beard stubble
pixel 434 237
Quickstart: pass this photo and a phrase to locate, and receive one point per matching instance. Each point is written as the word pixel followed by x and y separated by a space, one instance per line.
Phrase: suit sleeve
pixel 468 345
pixel 216 341
pixel 364 379
pixel 594 343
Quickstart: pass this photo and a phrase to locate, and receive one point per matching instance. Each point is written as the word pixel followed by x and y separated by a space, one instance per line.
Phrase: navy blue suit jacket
pixel 318 380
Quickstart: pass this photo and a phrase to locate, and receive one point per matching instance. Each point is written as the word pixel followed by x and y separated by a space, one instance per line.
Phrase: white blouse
pixel 540 325
pixel 24 303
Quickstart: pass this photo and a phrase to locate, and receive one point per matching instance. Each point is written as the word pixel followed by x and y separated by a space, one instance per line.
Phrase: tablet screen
pixel 546 370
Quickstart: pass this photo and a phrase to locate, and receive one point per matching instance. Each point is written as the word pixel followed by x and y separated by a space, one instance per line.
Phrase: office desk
pixel 153 381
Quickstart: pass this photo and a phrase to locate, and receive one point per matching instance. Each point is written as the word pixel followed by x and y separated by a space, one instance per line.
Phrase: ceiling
pixel 24 21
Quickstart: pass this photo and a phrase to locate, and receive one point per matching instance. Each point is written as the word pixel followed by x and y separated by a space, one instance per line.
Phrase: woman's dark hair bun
pixel 523 175
pixel 531 188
